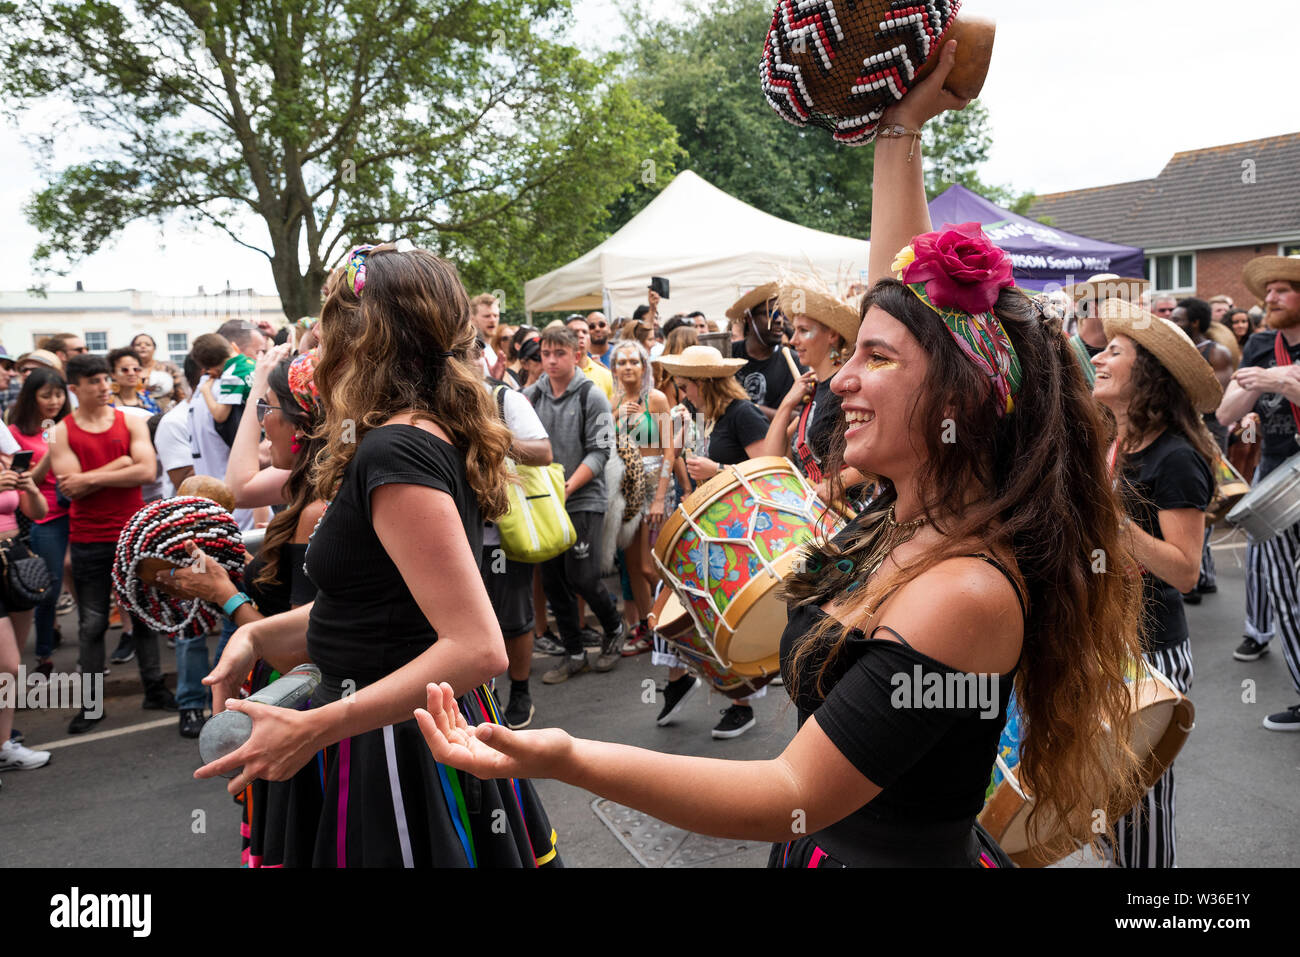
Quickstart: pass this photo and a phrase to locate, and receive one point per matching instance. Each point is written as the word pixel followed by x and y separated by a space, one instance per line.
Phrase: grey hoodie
pixel 575 442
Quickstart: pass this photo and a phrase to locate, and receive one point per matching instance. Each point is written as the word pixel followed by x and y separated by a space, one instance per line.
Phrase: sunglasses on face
pixel 264 407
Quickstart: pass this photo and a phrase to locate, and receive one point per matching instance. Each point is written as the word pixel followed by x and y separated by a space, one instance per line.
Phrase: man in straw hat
pixel 1163 457
pixel 1087 296
pixel 769 370
pixel 1268 382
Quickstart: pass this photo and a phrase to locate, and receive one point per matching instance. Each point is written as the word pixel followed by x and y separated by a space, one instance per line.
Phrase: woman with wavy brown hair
pixel 413 462
pixel 1155 383
pixel 975 561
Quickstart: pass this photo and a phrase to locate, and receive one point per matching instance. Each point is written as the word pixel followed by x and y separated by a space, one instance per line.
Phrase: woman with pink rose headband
pixel 976 560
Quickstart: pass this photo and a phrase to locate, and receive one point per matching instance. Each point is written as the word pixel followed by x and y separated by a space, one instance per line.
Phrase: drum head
pixel 1162 719
pixel 669 616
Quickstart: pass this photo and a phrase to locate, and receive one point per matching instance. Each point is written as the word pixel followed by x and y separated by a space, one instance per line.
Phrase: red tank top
pixel 101 516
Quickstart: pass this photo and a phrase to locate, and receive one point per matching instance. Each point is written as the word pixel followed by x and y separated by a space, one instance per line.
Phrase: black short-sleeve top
pixel 1168 474
pixel 365 623
pixel 1275 413
pixel 740 425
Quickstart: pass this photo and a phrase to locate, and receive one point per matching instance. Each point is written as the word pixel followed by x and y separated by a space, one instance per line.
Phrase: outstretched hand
pixel 487 750
pixel 928 98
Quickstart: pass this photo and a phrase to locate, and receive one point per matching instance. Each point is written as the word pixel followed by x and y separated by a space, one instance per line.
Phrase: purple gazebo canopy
pixel 1040 255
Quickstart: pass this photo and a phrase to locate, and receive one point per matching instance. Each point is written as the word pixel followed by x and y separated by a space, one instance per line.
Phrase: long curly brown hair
pixel 381 356
pixel 1049 503
pixel 1163 405
pixel 299 489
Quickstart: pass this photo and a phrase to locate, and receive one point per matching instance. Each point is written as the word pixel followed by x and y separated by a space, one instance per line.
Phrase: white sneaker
pixel 15 757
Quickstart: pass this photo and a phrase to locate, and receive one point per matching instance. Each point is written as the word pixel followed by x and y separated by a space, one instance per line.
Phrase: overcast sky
pixel 1079 94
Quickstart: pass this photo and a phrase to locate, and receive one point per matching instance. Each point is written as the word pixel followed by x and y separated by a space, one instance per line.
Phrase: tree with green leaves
pixel 701 73
pixel 301 127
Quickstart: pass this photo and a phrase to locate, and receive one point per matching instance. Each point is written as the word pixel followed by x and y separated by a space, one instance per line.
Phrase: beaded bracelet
pixel 897 132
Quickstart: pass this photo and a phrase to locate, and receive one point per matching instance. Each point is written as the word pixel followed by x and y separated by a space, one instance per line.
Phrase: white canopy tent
pixel 710 246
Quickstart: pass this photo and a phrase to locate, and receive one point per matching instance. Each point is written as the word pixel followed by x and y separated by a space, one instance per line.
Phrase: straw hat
pixel 44 357
pixel 700 362
pixel 1266 269
pixel 800 296
pixel 1108 285
pixel 1169 345
pixel 749 300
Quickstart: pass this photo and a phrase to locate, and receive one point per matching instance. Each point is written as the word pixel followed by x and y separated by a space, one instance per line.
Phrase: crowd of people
pixel 376 446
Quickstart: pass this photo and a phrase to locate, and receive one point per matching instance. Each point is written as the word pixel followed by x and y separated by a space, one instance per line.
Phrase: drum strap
pixel 1283 358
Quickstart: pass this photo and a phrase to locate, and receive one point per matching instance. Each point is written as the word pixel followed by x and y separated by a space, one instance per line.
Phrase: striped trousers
pixel 1273 595
pixel 1145 837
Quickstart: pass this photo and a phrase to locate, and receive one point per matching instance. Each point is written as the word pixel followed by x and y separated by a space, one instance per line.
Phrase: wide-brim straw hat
pixel 1171 347
pixel 749 300
pixel 1108 285
pixel 700 362
pixel 801 297
pixel 1266 269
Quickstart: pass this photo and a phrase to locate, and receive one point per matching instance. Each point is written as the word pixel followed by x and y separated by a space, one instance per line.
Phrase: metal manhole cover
pixel 656 844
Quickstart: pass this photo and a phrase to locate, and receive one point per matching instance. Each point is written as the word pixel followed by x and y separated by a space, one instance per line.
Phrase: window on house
pixel 1289 249
pixel 97 343
pixel 1175 272
pixel 178 347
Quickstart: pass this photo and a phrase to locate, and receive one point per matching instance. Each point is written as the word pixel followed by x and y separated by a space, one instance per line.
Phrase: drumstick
pixel 794 371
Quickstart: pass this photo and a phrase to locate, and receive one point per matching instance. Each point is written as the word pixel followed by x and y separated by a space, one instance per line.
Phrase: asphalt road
pixel 124 795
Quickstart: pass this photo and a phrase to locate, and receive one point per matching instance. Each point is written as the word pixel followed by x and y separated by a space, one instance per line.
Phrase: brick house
pixel 1202 219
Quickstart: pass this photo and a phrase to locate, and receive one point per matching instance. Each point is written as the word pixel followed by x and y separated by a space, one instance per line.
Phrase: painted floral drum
pixel 1162 719
pixel 723 552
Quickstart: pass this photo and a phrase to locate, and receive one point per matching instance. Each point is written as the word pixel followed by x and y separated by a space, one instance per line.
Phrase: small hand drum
pixel 839 64
pixel 1162 717
pixel 724 551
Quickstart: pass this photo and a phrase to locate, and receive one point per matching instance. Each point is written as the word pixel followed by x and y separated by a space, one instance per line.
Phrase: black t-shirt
pixel 766 381
pixel 740 425
pixel 365 623
pixel 1169 473
pixel 293 587
pixel 1275 419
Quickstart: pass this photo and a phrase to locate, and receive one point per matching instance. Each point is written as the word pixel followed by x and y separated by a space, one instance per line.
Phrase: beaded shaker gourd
pixel 154 539
pixel 839 64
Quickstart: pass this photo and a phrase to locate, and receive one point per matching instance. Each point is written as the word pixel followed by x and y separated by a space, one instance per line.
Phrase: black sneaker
pixel 675 694
pixel 611 649
pixel 1207 589
pixel 1288 720
pixel 547 644
pixel 83 722
pixel 1192 597
pixel 591 638
pixel 16 736
pixel 519 712
pixel 736 720
pixel 159 698
pixel 192 721
pixel 1250 650
pixel 125 651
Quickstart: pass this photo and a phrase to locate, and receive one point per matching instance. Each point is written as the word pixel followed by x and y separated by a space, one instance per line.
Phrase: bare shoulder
pixel 963 612
pixel 307 520
pixel 658 401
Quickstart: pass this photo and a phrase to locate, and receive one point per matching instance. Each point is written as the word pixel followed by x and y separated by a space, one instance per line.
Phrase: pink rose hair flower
pixel 960 267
